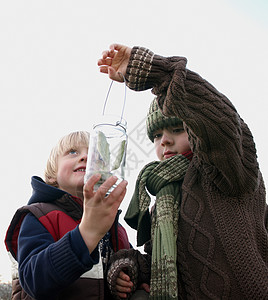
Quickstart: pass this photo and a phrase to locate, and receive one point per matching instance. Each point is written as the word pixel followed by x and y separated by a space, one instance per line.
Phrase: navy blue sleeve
pixel 45 266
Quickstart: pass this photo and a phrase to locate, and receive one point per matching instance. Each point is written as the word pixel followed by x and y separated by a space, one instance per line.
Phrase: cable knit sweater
pixel 222 241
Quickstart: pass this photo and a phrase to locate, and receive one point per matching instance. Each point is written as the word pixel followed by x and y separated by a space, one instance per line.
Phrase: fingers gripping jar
pixel 107 150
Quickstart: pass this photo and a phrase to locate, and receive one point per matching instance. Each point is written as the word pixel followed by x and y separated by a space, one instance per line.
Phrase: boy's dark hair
pixel 156 120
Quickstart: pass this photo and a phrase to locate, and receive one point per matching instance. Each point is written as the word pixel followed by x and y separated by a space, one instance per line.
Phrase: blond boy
pixel 64 237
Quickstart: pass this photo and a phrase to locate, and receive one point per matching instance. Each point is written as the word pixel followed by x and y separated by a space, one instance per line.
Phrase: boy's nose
pixel 166 139
pixel 83 157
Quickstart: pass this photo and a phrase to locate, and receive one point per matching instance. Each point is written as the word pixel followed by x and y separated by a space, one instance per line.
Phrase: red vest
pixel 58 222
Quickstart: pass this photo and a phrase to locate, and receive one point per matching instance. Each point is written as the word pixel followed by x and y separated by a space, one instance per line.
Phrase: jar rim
pixel 112 120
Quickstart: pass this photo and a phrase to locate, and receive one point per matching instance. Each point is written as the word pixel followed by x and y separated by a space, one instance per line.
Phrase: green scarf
pixel 160 179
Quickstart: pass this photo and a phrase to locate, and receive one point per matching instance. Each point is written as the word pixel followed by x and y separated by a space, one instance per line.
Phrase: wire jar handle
pixel 105 103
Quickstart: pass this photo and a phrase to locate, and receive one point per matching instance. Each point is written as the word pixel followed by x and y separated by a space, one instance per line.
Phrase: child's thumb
pixel 114 75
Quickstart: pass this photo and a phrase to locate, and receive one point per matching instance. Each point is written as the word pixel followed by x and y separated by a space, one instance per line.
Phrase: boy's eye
pixel 178 130
pixel 72 152
pixel 157 136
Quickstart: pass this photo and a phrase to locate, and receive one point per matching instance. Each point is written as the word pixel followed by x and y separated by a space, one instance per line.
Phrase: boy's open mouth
pixel 80 170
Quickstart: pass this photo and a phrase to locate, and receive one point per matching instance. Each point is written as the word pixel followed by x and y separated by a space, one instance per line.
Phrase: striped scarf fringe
pixel 161 180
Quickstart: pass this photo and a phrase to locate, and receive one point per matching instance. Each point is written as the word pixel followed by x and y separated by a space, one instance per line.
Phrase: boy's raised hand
pixel 100 211
pixel 114 61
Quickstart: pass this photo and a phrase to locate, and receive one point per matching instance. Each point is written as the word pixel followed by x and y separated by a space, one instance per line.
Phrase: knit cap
pixel 156 120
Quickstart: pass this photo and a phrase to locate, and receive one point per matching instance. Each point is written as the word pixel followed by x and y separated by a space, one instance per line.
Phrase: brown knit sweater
pixel 223 241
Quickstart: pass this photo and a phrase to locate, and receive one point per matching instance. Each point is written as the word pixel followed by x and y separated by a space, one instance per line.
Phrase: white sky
pixel 50 84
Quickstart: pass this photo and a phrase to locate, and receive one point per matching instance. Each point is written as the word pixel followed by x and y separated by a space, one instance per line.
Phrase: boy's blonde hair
pixel 68 142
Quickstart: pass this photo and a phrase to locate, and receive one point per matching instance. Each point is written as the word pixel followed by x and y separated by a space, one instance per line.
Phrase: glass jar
pixel 107 150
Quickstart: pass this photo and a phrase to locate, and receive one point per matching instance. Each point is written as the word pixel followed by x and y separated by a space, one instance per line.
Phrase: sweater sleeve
pixel 219 138
pixel 46 267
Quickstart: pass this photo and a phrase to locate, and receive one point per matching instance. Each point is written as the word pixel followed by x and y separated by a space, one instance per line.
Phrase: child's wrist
pixel 90 237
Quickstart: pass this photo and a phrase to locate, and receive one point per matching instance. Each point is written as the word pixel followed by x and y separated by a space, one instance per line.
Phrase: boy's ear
pixel 53 182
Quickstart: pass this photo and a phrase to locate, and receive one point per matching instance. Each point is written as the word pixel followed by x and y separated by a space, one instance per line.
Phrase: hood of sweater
pixel 43 192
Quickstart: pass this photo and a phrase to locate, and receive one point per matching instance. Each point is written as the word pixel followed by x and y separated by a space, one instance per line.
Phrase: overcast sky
pixel 50 84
